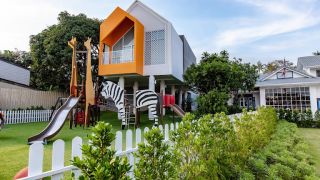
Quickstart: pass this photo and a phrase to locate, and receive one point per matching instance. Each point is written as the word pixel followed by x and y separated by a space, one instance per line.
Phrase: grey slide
pixel 177 110
pixel 56 122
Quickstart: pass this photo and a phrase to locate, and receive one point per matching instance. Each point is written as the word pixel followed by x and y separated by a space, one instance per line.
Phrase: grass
pixel 14 150
pixel 312 136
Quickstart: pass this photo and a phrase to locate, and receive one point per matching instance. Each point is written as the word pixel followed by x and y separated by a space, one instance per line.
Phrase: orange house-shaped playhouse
pixel 121 45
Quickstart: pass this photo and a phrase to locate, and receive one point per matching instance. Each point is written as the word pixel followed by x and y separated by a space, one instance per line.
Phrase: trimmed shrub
pixel 99 162
pixel 285 157
pixel 155 158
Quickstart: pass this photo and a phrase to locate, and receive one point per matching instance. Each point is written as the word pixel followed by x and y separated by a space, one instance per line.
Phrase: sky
pixel 254 30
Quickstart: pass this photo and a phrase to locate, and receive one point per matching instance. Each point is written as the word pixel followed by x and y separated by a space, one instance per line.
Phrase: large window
pixel 155 47
pixel 296 98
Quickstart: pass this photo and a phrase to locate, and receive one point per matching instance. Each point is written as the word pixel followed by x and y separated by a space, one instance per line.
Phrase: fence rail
pixel 36 152
pixel 26 116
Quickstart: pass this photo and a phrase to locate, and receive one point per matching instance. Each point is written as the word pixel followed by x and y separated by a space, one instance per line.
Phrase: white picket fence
pixel 26 116
pixel 36 153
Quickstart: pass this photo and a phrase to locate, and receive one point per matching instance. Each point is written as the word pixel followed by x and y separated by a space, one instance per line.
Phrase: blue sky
pixel 249 29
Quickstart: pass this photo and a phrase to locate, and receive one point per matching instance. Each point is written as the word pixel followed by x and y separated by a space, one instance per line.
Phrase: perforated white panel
pixel 154 47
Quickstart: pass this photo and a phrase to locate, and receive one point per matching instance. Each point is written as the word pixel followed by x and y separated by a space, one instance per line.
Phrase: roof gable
pixel 285 73
pixel 137 3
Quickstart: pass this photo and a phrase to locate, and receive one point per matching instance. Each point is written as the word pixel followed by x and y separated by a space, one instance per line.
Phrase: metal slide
pixel 177 110
pixel 56 122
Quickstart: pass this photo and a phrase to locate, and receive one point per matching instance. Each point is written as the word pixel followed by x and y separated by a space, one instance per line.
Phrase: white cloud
pixel 275 17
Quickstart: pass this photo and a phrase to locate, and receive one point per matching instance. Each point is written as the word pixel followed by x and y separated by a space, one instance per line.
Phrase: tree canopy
pixel 51 55
pixel 216 77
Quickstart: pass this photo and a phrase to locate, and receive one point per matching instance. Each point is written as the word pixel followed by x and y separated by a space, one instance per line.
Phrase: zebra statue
pixel 116 93
pixel 148 98
pixel 143 98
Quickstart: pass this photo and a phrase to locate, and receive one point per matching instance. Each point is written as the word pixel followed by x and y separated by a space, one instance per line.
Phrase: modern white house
pixel 296 89
pixel 140 49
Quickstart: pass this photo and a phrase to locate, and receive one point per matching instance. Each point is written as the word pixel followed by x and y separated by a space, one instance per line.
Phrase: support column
pixel 135 89
pixel 180 98
pixel 152 88
pixel 121 84
pixel 163 90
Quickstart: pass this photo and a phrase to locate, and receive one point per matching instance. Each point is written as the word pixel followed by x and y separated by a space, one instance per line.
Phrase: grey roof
pixel 291 81
pixel 308 61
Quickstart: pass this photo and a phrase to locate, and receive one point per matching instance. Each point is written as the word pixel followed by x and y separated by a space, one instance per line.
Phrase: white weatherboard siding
pixel 176 54
pixel 14 73
pixel 314 94
pixel 262 96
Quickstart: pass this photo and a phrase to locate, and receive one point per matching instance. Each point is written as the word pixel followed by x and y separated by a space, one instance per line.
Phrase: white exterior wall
pixel 173 44
pixel 262 96
pixel 152 23
pixel 176 54
pixel 314 94
pixel 14 73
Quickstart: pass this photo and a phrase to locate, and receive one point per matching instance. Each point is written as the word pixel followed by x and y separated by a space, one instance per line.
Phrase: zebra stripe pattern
pixel 114 91
pixel 148 98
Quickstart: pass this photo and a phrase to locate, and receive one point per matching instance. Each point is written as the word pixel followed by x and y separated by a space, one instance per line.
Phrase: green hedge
pixel 218 148
pixel 302 119
pixel 285 157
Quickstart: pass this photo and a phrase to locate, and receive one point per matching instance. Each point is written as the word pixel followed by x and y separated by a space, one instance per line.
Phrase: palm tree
pixel 260 67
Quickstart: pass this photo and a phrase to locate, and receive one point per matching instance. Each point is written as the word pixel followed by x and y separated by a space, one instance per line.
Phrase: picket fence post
pixel 35 159
pixel 166 132
pixel 57 158
pixel 129 147
pixel 76 151
pixel 146 129
pixel 118 142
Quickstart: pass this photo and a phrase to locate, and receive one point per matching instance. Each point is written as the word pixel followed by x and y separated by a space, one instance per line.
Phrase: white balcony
pixel 121 56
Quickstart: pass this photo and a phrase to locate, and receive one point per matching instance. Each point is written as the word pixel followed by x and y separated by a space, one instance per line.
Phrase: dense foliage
pixel 217 148
pixel 154 158
pixel 285 157
pixel 99 161
pixel 215 77
pixel 302 119
pixel 51 55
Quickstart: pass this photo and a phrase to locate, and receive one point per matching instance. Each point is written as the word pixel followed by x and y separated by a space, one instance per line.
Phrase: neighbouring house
pixel 140 49
pixel 289 88
pixel 13 76
pixel 15 91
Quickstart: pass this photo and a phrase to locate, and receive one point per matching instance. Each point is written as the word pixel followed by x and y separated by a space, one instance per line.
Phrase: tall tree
pixel 216 77
pixel 275 64
pixel 260 67
pixel 51 66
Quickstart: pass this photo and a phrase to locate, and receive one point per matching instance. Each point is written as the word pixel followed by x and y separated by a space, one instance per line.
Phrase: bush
pixel 155 158
pixel 205 147
pixel 285 157
pixel 99 162
pixel 254 130
pixel 301 119
pixel 212 102
pixel 217 148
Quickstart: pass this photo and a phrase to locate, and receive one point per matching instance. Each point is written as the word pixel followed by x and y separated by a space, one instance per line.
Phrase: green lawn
pixel 14 149
pixel 312 136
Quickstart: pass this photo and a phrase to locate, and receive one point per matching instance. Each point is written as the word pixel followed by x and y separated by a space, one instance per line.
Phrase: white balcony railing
pixel 117 57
